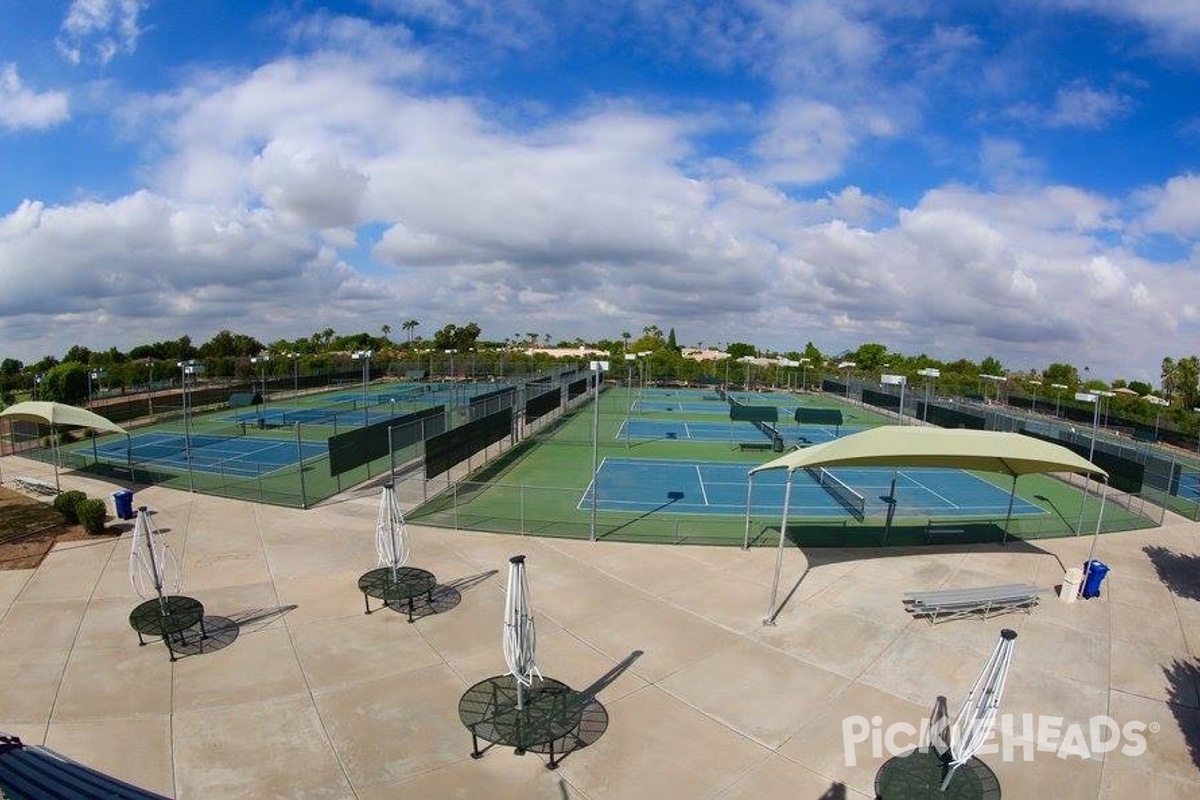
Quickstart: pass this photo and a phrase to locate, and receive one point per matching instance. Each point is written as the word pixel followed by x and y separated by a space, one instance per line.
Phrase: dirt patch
pixel 30 528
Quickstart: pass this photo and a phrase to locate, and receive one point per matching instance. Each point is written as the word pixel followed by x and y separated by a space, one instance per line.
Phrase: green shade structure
pixel 894 446
pixel 47 413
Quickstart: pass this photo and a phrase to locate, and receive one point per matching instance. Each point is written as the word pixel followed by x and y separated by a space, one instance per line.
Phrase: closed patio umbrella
pixel 153 570
pixel 977 715
pixel 520 641
pixel 391 536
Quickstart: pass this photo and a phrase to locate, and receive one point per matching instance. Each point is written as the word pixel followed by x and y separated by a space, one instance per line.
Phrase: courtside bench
pixel 35 485
pixel 986 601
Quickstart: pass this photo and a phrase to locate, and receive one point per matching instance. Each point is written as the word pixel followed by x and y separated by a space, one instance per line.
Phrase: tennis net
pixel 849 499
pixel 772 433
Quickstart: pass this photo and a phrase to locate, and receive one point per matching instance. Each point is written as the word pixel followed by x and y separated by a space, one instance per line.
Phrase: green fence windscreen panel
pixel 741 413
pixel 819 416
pixel 950 418
pixel 359 446
pixel 542 404
pixel 241 399
pixel 881 399
pixel 458 444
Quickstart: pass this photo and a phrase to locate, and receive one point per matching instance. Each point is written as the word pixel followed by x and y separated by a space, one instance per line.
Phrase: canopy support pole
pixel 787 498
pixel 54 438
pixel 1008 517
pixel 746 533
pixel 1087 568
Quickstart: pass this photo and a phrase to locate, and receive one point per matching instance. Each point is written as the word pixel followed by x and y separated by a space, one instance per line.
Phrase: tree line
pixel 81 371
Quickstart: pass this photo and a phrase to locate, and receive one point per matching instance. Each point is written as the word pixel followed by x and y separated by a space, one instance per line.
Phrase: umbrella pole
pixel 520 696
pixel 950 769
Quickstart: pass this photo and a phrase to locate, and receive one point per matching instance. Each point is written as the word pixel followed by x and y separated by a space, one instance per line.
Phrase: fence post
pixel 455 504
pixel 300 464
pixel 521 509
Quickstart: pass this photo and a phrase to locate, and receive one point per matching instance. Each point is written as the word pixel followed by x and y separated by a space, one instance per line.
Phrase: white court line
pixel 687 429
pixel 941 497
pixel 700 478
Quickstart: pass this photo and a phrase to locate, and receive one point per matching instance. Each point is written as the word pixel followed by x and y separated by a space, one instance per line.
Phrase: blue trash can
pixel 123 503
pixel 1095 571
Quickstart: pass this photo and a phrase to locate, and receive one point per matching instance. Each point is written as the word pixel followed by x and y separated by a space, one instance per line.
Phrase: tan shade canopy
pixel 896 446
pixel 59 414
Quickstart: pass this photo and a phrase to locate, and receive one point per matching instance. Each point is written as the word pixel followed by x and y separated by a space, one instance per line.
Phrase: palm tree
pixel 409 325
pixel 386 330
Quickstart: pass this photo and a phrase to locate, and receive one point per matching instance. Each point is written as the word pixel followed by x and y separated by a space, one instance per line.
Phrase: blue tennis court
pixel 714 487
pixel 275 416
pixel 698 407
pixel 1189 486
pixel 740 431
pixel 243 456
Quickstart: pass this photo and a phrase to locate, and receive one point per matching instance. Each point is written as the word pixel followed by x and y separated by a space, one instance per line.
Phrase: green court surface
pixel 541 487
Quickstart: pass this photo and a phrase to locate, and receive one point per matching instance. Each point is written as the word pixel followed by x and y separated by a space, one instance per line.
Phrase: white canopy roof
pixel 897 446
pixel 59 414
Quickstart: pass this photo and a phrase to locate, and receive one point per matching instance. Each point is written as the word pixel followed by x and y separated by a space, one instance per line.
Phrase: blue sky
pixel 1017 179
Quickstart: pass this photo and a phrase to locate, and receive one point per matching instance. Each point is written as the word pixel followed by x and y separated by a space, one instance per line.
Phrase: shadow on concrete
pixel 1183 698
pixel 1180 572
pixel 594 721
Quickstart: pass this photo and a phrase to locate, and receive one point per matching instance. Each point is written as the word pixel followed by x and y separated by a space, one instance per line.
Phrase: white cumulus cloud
pixel 21 107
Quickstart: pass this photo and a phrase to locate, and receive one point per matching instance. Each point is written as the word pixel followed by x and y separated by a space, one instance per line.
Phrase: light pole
pixel 150 387
pixel 1106 403
pixel 261 361
pixel 901 381
pixel 1035 385
pixel 629 359
pixel 37 384
pixel 847 366
pixel 1160 404
pixel 1197 435
pixel 930 374
pixel 598 367
pixel 804 362
pixel 1094 399
pixel 996 379
pixel 451 353
pixel 193 368
pixel 472 365
pixel 295 357
pixel 1061 387
pixel 365 357
pixel 94 375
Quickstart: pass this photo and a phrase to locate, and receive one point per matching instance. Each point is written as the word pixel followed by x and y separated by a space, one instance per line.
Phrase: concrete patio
pixel 307 697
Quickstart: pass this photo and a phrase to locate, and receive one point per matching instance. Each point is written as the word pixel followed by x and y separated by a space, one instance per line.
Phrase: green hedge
pixel 91 514
pixel 67 504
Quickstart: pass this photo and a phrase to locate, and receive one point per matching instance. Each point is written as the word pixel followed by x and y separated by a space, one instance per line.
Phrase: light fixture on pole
pixel 451 353
pixel 847 366
pixel 930 374
pixel 896 380
pixel 1105 403
pixel 598 368
pixel 1061 387
pixel 37 384
pixel 804 362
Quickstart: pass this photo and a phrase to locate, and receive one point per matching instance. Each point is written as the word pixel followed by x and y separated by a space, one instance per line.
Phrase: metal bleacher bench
pixel 39 773
pixel 944 604
pixel 35 485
